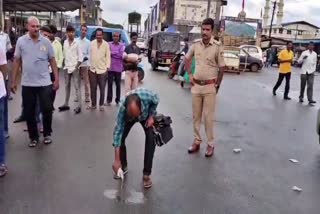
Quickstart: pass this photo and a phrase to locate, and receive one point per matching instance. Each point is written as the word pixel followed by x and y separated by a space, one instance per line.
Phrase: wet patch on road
pixel 133 197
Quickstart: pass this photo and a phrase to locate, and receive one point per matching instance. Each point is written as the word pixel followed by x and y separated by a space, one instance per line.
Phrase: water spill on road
pixel 133 196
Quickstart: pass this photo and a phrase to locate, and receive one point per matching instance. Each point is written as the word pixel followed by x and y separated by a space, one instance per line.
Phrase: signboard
pixel 193 12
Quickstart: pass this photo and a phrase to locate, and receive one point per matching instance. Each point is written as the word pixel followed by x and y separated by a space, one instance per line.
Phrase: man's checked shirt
pixel 149 103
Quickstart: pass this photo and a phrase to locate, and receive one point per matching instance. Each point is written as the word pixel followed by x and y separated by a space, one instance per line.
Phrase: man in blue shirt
pixel 34 52
pixel 138 106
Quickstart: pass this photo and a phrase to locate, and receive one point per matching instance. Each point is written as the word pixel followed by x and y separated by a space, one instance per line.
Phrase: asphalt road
pixel 74 175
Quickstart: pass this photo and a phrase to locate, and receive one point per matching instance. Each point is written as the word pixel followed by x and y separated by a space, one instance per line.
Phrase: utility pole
pixel 208 8
pixel 217 18
pixel 1 15
pixel 272 17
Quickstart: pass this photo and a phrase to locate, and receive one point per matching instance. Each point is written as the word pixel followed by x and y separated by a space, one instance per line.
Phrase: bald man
pixel 138 106
pixel 33 52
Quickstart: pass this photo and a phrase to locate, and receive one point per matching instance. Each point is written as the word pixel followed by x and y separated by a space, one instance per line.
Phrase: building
pixel 299 30
pixel 183 15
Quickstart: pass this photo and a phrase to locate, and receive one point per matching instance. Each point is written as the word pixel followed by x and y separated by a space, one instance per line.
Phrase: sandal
pixel 47 140
pixel 3 170
pixel 33 143
pixel 91 108
pixel 147 183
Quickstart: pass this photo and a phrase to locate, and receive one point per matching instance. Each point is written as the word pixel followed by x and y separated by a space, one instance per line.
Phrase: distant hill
pixel 110 25
pixel 240 29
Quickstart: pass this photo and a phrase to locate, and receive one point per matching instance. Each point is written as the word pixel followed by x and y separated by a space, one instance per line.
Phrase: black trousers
pixel 279 82
pixel 95 81
pixel 114 77
pixel 148 151
pixel 53 96
pixel 29 100
pixel 307 79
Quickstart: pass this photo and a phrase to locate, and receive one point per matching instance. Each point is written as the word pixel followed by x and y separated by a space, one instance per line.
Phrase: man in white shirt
pixel 72 60
pixel 3 93
pixel 84 67
pixel 308 59
pixel 5 42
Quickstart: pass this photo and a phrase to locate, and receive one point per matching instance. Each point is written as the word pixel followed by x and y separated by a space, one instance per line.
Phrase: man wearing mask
pixel 308 59
pixel 115 71
pixel 285 59
pixel 131 66
pixel 99 64
pixel 72 60
pixel 84 67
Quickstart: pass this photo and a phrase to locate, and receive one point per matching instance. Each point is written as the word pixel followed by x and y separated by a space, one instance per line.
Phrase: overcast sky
pixel 116 11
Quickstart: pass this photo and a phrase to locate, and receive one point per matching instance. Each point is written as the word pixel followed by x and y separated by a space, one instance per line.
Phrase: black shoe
pixel 64 108
pixel 287 98
pixel 312 102
pixel 274 93
pixel 33 143
pixel 300 100
pixel 19 120
pixel 77 110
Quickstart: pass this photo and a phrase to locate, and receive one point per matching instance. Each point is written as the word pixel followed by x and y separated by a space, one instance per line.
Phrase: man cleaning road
pixel 138 106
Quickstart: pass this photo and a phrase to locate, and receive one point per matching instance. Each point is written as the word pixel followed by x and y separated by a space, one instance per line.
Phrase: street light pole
pixel 208 8
pixel 272 17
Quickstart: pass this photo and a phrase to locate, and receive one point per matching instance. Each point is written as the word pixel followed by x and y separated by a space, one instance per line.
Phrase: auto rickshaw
pixel 162 48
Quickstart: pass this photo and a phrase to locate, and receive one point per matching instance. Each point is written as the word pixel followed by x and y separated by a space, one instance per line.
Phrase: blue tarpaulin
pixel 315 41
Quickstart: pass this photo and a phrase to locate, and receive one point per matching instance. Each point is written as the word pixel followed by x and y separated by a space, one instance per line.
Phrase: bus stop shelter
pixel 41 5
pixel 51 6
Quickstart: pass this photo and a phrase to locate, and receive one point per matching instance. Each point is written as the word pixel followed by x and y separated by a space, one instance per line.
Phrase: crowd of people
pixel 40 57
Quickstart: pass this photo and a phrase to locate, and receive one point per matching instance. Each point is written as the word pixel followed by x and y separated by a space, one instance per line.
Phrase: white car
pixel 141 44
pixel 253 50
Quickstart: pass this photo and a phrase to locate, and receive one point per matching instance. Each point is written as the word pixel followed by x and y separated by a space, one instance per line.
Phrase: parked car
pixel 107 36
pixel 249 62
pixel 253 50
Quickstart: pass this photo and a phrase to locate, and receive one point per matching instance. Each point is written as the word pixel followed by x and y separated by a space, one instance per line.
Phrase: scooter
pixel 176 62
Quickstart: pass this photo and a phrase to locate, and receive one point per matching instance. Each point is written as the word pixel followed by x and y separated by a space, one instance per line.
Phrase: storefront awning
pixel 41 5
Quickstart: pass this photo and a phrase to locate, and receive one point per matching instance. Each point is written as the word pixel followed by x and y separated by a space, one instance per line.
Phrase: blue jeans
pixel 2 138
pixel 6 127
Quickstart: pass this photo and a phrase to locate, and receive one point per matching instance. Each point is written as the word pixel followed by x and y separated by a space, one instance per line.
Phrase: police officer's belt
pixel 204 82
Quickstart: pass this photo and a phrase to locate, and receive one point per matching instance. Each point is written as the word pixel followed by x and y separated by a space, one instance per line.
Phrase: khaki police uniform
pixel 208 59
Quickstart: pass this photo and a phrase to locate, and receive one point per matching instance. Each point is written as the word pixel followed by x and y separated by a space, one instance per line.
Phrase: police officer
pixel 205 82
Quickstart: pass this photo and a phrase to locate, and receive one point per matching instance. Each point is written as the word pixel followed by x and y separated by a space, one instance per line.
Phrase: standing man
pixel 115 71
pixel 72 60
pixel 33 52
pixel 308 59
pixel 58 54
pixel 131 68
pixel 139 105
pixel 99 64
pixel 205 82
pixel 5 42
pixel 84 67
pixel 285 59
pixel 3 69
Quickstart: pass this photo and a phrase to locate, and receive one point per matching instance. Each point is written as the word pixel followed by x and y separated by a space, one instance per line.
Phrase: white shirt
pixel 310 64
pixel 5 41
pixel 3 61
pixel 72 55
pixel 85 47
